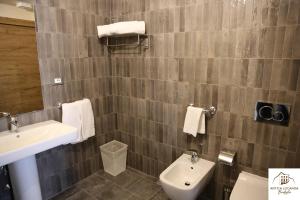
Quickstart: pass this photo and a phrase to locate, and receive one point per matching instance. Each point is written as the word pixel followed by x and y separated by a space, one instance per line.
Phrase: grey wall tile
pixel 222 53
pixel 231 54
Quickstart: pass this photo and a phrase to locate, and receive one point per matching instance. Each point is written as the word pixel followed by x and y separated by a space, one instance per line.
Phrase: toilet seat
pixel 249 186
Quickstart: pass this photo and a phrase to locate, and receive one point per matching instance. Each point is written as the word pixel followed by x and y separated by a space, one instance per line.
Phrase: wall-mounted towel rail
pixel 59 105
pixel 125 41
pixel 210 111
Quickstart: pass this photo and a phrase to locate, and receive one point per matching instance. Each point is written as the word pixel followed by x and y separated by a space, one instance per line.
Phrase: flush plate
pixel 272 113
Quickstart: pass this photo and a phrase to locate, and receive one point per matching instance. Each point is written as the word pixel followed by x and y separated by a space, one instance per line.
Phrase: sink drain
pixel 187 183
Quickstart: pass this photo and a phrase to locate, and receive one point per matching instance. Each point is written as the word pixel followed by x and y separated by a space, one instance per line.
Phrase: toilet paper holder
pixel 226 157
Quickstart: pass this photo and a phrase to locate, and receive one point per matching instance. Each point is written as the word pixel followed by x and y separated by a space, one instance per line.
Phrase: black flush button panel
pixel 272 113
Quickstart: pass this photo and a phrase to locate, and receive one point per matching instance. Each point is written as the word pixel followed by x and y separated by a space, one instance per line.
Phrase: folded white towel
pixel 104 30
pixel 121 28
pixel 87 119
pixel 194 121
pixel 71 115
pixel 201 127
pixel 79 114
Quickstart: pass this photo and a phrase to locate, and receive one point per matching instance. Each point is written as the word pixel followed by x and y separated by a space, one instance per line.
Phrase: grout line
pixel 141 176
pixel 84 192
pixel 154 195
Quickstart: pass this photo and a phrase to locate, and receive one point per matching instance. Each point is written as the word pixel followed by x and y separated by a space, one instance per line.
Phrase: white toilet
pixel 183 180
pixel 249 186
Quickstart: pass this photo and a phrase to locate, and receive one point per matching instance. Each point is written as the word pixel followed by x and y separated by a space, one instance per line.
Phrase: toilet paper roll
pixel 226 157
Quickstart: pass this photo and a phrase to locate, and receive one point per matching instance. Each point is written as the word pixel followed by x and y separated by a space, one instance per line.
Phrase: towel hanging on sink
pixel 79 114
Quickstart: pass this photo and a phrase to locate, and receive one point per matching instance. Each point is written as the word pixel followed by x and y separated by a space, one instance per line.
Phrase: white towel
pixel 71 115
pixel 194 121
pixel 121 28
pixel 79 114
pixel 104 30
pixel 87 119
pixel 201 127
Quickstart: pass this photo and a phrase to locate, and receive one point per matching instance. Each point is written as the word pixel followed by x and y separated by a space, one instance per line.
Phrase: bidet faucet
pixel 12 121
pixel 194 155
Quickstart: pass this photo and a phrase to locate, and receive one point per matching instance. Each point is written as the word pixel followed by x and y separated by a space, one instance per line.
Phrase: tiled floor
pixel 129 185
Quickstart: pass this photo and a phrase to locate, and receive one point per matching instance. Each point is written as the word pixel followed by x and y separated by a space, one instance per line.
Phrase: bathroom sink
pixel 184 180
pixel 33 139
pixel 249 187
pixel 18 149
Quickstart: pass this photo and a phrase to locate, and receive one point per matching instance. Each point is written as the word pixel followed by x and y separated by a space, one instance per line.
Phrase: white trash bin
pixel 114 155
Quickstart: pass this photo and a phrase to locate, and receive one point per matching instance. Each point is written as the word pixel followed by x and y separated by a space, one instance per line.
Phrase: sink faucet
pixel 12 121
pixel 194 155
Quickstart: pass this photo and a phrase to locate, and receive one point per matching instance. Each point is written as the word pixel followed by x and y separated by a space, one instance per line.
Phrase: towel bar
pixel 210 111
pixel 139 40
pixel 59 105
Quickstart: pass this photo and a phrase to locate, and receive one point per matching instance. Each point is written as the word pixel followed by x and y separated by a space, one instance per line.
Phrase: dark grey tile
pixel 93 183
pixel 143 175
pixel 144 189
pixel 81 195
pixel 161 195
pixel 124 179
pixel 134 197
pixel 111 192
pixel 66 194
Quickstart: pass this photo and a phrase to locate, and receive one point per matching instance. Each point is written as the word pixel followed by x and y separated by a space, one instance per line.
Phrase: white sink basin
pixel 183 180
pixel 18 149
pixel 33 139
pixel 249 187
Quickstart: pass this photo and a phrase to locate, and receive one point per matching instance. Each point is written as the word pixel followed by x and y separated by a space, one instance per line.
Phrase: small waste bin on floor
pixel 114 155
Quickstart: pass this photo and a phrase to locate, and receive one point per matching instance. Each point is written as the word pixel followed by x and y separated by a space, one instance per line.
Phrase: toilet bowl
pixel 249 186
pixel 183 180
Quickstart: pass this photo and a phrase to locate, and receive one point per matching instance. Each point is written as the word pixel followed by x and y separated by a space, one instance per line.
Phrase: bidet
pixel 184 180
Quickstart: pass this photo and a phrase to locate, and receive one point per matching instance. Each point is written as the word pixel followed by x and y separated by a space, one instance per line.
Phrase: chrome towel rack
pixel 59 105
pixel 121 41
pixel 209 111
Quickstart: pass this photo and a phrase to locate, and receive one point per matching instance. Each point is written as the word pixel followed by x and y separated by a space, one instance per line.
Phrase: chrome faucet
pixel 12 121
pixel 194 155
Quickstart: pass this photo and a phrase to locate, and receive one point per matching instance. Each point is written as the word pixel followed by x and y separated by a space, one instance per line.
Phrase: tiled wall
pixel 68 47
pixel 226 53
